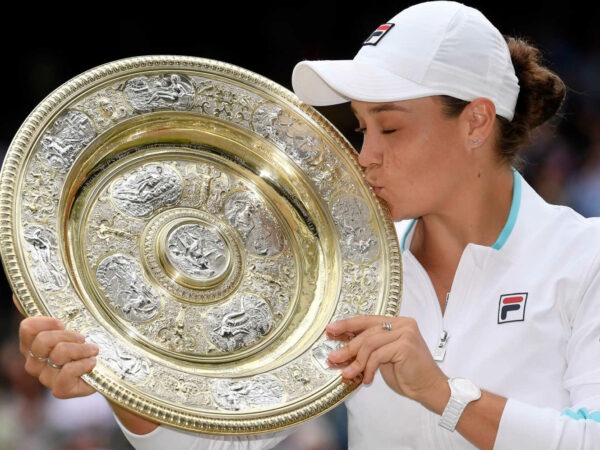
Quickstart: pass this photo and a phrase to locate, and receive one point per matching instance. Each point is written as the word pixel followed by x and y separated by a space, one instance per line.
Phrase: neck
pixel 476 215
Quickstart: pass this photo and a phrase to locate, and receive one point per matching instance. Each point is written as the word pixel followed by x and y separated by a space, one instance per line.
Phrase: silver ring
pixel 53 364
pixel 387 326
pixel 34 356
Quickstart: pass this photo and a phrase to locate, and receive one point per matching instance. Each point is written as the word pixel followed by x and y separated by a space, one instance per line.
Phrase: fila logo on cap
pixel 378 34
pixel 512 307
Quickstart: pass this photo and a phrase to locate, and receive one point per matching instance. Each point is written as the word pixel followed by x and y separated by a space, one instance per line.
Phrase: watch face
pixel 464 390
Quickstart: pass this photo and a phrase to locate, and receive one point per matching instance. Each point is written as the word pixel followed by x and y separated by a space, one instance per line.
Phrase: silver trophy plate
pixel 202 226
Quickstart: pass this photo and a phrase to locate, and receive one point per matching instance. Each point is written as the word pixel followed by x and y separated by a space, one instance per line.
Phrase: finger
pixel 389 353
pixel 56 347
pixel 355 353
pixel 345 354
pixel 45 342
pixel 30 327
pixel 376 325
pixel 377 351
pixel 65 352
pixel 344 337
pixel 66 382
pixel 354 325
pixel 50 346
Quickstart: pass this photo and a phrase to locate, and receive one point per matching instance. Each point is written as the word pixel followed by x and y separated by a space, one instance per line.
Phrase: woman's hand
pixel 56 357
pixel 393 345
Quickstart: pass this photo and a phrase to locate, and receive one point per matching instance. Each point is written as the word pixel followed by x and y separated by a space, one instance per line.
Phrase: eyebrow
pixel 387 106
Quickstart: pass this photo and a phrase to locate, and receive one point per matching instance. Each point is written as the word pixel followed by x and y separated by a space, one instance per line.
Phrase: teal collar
pixel 514 212
pixel 508 226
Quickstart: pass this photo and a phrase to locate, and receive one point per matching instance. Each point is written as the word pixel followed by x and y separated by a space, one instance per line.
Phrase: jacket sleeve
pixel 526 426
pixel 175 439
pixel 578 425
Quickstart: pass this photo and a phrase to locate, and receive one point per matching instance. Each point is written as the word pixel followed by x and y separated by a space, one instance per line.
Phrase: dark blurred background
pixel 45 46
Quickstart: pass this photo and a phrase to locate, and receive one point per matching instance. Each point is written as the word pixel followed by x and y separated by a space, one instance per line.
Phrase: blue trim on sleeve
pixel 581 414
pixel 514 212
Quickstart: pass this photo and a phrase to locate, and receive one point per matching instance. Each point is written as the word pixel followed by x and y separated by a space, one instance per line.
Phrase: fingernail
pixel 94 347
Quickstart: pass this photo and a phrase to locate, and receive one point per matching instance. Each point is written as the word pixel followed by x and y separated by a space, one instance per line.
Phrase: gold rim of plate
pixel 202 226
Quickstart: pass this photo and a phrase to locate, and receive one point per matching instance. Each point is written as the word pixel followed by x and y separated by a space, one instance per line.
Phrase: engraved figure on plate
pixel 144 190
pixel 257 227
pixel 352 217
pixel 239 323
pixel 236 395
pixel 198 251
pixel 168 91
pixel 124 363
pixel 71 132
pixel 132 297
pixel 42 244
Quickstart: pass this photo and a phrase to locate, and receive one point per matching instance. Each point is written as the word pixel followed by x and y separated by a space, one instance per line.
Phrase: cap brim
pixel 327 82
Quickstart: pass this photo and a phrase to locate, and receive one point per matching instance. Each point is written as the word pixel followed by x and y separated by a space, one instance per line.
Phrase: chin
pixel 398 215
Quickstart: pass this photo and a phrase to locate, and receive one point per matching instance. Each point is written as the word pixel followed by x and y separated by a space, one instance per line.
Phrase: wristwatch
pixel 462 392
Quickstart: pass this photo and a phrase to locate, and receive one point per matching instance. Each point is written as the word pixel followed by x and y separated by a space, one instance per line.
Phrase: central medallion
pixel 193 254
pixel 196 254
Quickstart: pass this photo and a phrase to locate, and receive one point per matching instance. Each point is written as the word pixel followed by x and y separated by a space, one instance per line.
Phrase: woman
pixel 497 340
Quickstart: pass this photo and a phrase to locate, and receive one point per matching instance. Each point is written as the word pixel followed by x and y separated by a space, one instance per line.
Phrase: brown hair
pixel 541 96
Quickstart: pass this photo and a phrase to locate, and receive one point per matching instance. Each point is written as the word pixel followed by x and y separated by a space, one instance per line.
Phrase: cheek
pixel 412 180
pixel 408 167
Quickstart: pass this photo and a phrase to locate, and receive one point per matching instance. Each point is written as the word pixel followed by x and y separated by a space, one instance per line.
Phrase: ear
pixel 481 117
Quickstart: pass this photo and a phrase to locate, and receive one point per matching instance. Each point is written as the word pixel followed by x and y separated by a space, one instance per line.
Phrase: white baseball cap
pixel 431 48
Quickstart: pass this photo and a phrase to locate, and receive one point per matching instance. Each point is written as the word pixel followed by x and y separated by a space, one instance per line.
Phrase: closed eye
pixel 362 130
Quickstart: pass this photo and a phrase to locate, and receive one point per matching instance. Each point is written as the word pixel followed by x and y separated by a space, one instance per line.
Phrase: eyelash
pixel 362 130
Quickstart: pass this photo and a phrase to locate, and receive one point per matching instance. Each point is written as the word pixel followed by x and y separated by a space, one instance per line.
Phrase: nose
pixel 368 154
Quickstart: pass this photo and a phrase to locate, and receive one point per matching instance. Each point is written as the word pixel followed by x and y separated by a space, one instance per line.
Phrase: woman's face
pixel 413 156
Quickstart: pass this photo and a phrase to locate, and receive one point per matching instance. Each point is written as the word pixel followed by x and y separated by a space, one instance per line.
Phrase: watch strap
pixel 451 414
